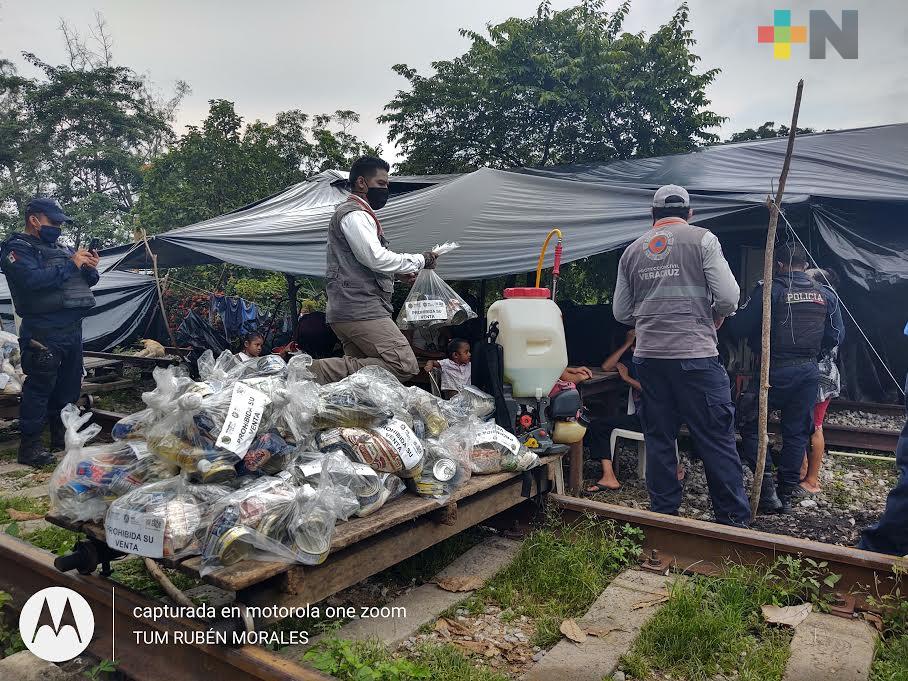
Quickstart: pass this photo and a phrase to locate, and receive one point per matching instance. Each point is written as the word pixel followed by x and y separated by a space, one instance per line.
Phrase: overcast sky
pixel 323 55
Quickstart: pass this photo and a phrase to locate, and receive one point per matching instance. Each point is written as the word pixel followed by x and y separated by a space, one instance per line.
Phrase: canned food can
pixel 235 545
pixel 89 470
pixel 218 472
pixel 444 469
pixel 271 526
pixel 78 491
pixel 312 538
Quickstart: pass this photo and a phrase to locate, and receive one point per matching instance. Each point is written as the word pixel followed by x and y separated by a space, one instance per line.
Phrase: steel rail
pixel 25 570
pixel 706 548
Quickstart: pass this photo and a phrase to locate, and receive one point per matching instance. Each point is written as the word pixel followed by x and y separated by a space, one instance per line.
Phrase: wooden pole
pixel 157 282
pixel 768 263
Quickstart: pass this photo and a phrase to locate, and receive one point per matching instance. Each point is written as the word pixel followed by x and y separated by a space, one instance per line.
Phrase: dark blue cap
pixel 49 207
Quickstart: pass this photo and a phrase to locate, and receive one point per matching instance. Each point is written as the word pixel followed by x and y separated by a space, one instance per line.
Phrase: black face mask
pixel 377 197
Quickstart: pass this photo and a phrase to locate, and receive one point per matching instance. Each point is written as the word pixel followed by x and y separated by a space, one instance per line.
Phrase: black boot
pixel 32 452
pixel 57 434
pixel 769 500
pixel 786 492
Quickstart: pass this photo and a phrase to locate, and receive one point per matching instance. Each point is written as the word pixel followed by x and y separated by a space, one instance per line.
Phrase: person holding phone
pixel 50 285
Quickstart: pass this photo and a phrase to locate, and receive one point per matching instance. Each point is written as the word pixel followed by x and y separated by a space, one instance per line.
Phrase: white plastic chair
pixel 641 450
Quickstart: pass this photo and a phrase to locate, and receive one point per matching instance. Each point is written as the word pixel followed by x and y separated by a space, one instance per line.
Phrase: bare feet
pixel 812 487
pixel 603 485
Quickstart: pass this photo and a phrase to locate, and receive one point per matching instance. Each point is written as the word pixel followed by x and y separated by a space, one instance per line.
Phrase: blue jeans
pixel 793 391
pixel 695 392
pixel 890 534
pixel 49 385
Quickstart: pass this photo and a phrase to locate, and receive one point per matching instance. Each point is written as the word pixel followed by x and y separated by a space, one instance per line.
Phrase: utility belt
pixel 790 362
pixel 40 331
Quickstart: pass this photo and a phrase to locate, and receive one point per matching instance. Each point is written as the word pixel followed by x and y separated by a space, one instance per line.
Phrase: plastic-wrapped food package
pixel 169 384
pixel 294 402
pixel 362 400
pixel 429 409
pixel 89 478
pixel 469 402
pixel 269 453
pixel 391 447
pixel 221 372
pixel 11 376
pixel 431 302
pixel 494 449
pixel 216 428
pixel 371 488
pixel 447 464
pixel 163 519
pixel 275 520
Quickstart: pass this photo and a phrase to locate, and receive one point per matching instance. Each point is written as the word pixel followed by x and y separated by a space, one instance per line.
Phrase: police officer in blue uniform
pixel 50 286
pixel 805 321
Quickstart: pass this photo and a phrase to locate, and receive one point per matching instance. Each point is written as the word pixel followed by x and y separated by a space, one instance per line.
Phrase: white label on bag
pixel 139 449
pixel 243 418
pixel 404 440
pixel 138 533
pixel 492 432
pixel 426 310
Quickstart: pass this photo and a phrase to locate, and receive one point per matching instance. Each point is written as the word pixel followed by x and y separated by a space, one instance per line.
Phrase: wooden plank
pixel 94 388
pixel 132 359
pixel 303 584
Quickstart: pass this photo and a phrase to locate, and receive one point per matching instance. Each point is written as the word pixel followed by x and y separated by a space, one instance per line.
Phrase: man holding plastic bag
pixel 360 280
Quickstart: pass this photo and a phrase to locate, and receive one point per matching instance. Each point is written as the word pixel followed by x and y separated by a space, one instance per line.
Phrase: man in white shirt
pixel 360 280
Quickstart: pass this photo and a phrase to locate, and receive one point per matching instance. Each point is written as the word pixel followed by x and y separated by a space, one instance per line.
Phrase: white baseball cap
pixel 671 196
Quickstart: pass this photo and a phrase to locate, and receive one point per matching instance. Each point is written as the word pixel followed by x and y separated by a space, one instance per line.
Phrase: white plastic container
pixel 531 334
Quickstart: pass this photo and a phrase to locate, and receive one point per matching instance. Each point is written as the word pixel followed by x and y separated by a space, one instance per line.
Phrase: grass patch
pixel 132 573
pixel 371 660
pixel 891 660
pixel 713 625
pixel 16 475
pixel 24 504
pixel 558 573
pixel 125 401
pixel 55 539
pixel 9 454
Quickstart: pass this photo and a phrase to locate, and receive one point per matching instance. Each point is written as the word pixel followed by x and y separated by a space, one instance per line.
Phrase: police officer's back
pixel 50 287
pixel 805 321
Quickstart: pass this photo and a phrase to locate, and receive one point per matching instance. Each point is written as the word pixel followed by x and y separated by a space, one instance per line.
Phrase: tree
pixel 766 131
pixel 224 165
pixel 559 87
pixel 80 133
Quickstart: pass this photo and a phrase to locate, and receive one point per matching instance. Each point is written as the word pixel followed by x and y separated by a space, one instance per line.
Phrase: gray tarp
pixel 126 304
pixel 500 219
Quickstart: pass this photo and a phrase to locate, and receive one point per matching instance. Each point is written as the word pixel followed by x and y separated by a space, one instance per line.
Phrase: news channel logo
pixel 821 28
pixel 56 624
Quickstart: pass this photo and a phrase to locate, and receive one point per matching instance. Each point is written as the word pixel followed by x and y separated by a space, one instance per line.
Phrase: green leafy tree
pixel 559 87
pixel 766 131
pixel 80 132
pixel 223 164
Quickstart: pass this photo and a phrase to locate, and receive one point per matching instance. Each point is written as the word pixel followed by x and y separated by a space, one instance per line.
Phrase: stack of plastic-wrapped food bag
pixel 255 460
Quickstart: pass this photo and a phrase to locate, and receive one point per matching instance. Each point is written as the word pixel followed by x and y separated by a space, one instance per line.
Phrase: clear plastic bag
pixel 216 428
pixel 431 302
pixel 391 447
pixel 11 376
pixel 273 519
pixel 294 402
pixel 171 516
pixel 494 450
pixel 87 479
pixel 361 400
pixel 469 402
pixel 430 410
pixel 170 382
pixel 447 465
pixel 269 453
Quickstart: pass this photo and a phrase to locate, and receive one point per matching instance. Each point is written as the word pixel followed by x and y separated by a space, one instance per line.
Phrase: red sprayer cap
pixel 527 292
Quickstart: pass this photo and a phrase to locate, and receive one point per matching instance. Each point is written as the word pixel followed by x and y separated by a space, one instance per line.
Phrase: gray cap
pixel 671 196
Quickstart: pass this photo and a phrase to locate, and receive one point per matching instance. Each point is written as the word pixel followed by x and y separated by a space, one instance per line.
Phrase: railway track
pixel 670 544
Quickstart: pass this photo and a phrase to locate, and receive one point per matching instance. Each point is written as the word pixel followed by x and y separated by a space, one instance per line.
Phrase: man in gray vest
pixel 676 288
pixel 360 280
pixel 50 285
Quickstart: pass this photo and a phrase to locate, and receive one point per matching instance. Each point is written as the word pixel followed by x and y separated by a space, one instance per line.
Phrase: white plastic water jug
pixel 531 334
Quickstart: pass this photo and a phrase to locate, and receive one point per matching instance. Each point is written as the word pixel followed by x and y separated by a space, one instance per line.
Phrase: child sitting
pixel 252 346
pixel 456 370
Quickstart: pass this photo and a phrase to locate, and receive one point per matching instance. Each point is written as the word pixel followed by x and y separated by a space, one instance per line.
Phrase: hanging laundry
pixel 238 316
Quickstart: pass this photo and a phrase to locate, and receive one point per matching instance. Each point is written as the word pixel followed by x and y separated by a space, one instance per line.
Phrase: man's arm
pixel 749 318
pixel 623 302
pixel 359 230
pixel 834 331
pixel 23 267
pixel 719 278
